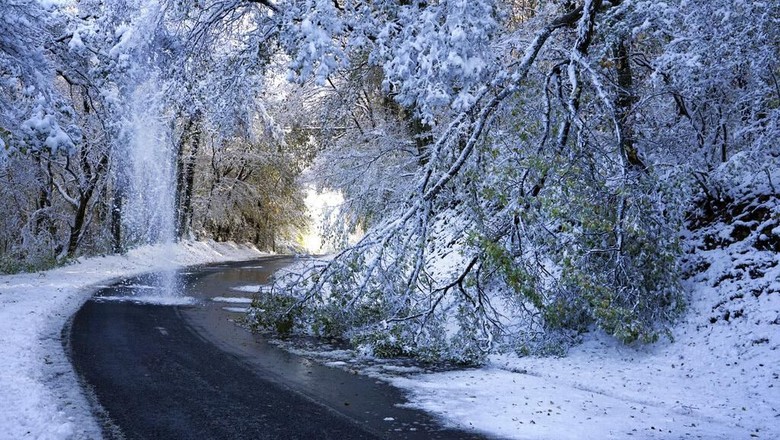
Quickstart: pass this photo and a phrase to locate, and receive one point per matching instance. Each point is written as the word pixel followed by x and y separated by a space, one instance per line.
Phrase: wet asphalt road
pixel 189 372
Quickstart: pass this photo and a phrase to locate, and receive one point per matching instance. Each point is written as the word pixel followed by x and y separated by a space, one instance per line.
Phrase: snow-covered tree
pixel 522 169
pixel 558 155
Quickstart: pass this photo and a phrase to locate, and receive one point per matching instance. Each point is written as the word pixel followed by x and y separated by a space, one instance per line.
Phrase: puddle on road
pixel 150 299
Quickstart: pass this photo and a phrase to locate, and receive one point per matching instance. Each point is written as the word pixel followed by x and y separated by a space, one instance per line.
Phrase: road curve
pixel 187 372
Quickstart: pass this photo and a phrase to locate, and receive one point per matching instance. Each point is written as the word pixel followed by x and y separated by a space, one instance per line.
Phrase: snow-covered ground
pixel 704 386
pixel 39 394
pixel 719 379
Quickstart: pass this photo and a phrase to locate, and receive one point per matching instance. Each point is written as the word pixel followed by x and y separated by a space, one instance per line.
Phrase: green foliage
pixel 384 343
pixel 550 343
pixel 275 312
pixel 515 275
pixel 327 321
pixel 584 253
pixel 567 313
pixel 469 345
pixel 11 264
pixel 619 267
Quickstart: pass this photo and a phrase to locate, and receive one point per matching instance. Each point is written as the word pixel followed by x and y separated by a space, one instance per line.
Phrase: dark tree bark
pixel 189 178
pixel 422 138
pixel 623 102
pixel 116 221
pixel 186 156
pixel 92 178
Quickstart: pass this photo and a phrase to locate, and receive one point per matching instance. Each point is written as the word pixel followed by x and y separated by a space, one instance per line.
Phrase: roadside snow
pixel 39 394
pixel 230 299
pixel 236 309
pixel 247 289
pixel 604 391
pixel 706 385
pixel 719 379
pixel 711 383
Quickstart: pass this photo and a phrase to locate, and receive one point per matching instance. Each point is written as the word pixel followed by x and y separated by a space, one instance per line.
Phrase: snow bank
pixel 691 389
pixel 40 395
pixel 719 379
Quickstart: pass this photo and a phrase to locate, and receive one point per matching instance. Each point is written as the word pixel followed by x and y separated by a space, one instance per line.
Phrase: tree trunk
pixel 117 212
pixel 78 223
pixel 623 103
pixel 185 174
pixel 422 139
pixel 189 179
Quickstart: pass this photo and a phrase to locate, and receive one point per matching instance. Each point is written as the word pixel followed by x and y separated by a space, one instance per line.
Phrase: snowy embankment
pixel 718 379
pixel 39 394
